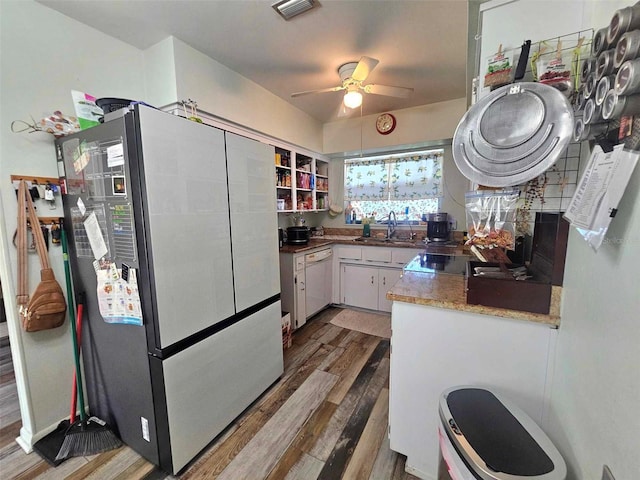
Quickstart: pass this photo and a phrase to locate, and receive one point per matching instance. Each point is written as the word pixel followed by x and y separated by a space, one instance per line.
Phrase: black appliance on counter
pixel 298 235
pixel 438 227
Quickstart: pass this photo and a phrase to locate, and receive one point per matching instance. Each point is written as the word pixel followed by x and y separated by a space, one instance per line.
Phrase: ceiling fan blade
pixel 363 69
pixel 400 92
pixel 323 90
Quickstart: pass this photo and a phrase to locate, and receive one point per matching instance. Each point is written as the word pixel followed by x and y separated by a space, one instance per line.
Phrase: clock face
pixel 385 123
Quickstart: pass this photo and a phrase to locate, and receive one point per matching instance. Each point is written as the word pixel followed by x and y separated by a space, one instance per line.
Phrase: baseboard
pixel 26 440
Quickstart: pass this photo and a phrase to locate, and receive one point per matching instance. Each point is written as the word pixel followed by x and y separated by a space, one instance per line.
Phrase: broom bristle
pixel 87 438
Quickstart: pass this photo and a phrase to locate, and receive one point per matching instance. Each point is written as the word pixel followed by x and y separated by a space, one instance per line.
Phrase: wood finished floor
pixel 326 418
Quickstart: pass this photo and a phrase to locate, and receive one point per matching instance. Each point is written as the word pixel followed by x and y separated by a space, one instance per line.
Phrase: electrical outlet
pixel 606 473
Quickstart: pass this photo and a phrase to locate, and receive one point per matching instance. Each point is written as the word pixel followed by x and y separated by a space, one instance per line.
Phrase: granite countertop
pixel 430 289
pixel 448 291
pixel 315 242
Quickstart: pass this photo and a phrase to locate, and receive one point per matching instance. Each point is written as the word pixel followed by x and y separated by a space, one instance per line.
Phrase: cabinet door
pixel 301 301
pixel 359 286
pixel 188 211
pixel 253 212
pixel 387 277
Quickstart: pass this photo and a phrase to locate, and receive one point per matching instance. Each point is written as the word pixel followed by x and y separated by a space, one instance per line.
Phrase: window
pixel 408 184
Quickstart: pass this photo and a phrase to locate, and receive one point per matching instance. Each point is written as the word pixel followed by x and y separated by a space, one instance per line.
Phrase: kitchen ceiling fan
pixel 353 74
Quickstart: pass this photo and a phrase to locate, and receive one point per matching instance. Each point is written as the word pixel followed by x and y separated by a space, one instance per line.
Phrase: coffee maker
pixel 438 227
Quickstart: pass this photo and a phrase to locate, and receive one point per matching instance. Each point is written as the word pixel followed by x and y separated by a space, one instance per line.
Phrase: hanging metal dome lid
pixel 513 134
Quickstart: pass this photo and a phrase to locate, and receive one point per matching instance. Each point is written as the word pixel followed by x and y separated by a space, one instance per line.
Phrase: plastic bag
pixel 554 69
pixel 491 218
pixel 59 124
pixel 499 69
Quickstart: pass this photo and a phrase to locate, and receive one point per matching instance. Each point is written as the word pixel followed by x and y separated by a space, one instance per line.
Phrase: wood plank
pixel 340 337
pixel 96 463
pixel 307 468
pixel 360 466
pixel 120 463
pixel 330 333
pixel 374 371
pixel 138 470
pixel 353 337
pixel 264 450
pixel 385 462
pixel 300 355
pixel 330 359
pixel 337 461
pixel 304 440
pixel 14 460
pixel 353 368
pixel 304 334
pixel 44 471
pixel 216 459
pixel 353 352
pixel 9 432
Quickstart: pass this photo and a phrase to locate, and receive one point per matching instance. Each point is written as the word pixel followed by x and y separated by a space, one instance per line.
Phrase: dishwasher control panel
pixel 318 256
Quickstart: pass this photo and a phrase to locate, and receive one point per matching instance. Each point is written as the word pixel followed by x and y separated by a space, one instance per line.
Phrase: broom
pixel 87 436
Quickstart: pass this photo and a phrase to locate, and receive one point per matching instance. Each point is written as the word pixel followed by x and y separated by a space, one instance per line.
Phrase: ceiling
pixel 421 44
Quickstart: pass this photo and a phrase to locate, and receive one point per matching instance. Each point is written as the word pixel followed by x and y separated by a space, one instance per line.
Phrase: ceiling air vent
pixel 290 8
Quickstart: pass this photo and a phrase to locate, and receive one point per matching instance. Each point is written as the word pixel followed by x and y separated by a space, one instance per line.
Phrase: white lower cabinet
pixel 367 287
pixel 433 349
pixel 387 277
pixel 360 286
pixel 293 287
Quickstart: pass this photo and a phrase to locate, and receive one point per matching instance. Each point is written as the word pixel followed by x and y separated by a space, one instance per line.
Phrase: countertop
pixel 315 242
pixel 432 289
pixel 448 291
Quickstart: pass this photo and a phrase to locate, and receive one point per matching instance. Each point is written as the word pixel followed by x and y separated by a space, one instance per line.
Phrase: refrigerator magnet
pixel 119 185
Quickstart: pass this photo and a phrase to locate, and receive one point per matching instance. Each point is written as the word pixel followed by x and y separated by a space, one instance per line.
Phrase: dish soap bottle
pixel 366 229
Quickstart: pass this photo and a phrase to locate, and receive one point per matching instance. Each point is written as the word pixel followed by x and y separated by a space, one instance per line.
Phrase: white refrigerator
pixel 179 203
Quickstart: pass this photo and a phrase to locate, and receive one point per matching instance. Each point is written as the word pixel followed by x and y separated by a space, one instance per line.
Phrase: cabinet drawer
pixel 377 254
pixel 350 253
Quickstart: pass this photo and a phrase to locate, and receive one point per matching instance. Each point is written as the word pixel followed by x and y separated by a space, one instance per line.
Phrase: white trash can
pixel 484 436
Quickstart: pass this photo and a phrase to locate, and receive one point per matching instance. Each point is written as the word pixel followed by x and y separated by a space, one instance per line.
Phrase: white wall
pixel 44 56
pixel 418 125
pixel 232 97
pixel 595 391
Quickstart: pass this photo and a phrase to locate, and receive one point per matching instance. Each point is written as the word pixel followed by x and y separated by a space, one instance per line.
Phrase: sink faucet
pixel 391 227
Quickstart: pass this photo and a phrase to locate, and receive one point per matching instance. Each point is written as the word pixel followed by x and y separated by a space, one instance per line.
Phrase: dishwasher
pixel 318 273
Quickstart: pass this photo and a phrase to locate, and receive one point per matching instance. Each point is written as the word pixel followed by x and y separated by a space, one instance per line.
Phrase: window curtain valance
pixel 412 177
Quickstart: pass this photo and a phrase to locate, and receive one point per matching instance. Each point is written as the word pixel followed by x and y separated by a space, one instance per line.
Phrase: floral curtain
pixel 416 177
pixel 412 177
pixel 366 180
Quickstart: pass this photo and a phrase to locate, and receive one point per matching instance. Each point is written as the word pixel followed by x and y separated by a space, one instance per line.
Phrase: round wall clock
pixel 385 124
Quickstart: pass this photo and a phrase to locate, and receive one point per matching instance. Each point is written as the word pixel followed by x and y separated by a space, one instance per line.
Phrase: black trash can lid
pixel 505 439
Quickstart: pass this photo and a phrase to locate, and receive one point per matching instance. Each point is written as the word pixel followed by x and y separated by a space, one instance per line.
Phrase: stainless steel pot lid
pixel 513 134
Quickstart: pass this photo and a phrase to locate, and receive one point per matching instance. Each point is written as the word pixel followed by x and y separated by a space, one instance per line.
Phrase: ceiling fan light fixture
pixel 290 8
pixel 352 99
